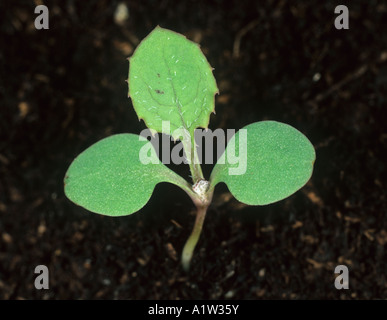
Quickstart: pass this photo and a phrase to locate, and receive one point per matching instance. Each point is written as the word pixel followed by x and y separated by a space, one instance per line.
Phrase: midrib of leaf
pixel 177 102
pixel 190 152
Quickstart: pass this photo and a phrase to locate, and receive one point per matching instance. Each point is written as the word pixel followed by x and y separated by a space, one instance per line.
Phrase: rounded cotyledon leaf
pixel 117 175
pixel 265 162
pixel 171 80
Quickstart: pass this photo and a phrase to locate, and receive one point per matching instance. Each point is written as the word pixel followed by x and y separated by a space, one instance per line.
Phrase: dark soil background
pixel 64 88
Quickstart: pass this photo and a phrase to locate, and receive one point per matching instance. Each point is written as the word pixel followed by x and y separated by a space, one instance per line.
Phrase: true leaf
pixel 109 178
pixel 279 162
pixel 171 80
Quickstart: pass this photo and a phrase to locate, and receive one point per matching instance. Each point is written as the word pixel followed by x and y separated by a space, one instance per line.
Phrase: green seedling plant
pixel 171 80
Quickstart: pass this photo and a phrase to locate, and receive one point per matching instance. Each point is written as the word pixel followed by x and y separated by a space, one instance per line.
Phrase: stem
pixel 196 172
pixel 201 199
pixel 189 146
pixel 194 237
pixel 197 169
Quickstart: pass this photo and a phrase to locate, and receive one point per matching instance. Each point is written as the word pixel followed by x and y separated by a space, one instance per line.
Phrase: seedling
pixel 171 80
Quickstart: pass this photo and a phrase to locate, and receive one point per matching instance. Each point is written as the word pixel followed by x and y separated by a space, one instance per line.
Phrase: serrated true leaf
pixel 279 162
pixel 171 80
pixel 109 178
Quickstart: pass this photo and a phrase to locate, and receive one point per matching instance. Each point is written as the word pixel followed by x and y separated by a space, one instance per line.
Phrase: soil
pixel 64 88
